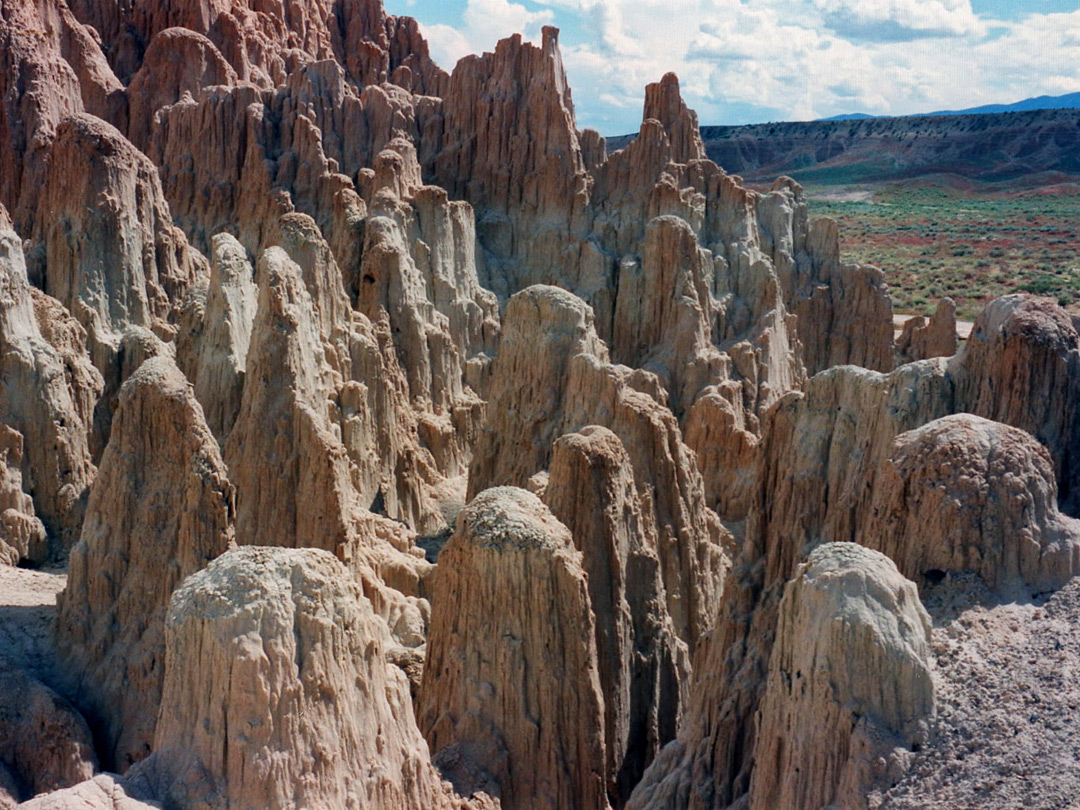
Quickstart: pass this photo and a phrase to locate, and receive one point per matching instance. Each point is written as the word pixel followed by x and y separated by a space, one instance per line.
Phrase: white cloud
pixel 447 44
pixel 900 19
pixel 741 60
pixel 484 23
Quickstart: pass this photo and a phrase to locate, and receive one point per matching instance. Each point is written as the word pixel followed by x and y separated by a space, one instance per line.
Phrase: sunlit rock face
pixel 405 448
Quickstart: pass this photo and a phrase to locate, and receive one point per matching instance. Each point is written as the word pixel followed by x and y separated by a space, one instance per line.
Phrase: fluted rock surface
pixel 290 469
pixel 1021 366
pixel 51 66
pixel 112 254
pixel 664 103
pixel 543 329
pixel 966 494
pixel 644 668
pixel 821 449
pixel 176 61
pixel 511 700
pixel 22 535
pixel 552 376
pixel 510 147
pixel 278 693
pixel 161 508
pixel 213 350
pixel 849 690
pixel 48 395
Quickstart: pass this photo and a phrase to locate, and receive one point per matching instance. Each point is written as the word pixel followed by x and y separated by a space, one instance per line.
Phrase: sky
pixel 752 61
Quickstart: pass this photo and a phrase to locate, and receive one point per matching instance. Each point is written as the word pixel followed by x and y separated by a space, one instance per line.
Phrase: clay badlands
pixel 371 437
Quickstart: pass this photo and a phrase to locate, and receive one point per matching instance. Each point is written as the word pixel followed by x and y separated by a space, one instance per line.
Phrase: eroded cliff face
pixel 511 701
pixel 271 278
pixel 162 507
pixel 278 693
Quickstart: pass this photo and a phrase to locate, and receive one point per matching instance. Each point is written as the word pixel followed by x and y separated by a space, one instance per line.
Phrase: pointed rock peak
pixel 664 103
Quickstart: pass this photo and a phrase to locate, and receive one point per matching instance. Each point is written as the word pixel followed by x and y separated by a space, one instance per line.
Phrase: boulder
pixel 965 494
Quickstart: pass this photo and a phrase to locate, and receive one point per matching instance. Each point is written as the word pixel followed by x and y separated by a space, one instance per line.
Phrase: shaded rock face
pixel 289 467
pixel 644 668
pixel 47 395
pixel 117 264
pixel 966 494
pixel 278 693
pixel 213 348
pixel 848 683
pixel 22 535
pixel 161 508
pixel 511 700
pixel 544 328
pixel 52 67
pixel 45 744
pixel 108 249
pixel 177 61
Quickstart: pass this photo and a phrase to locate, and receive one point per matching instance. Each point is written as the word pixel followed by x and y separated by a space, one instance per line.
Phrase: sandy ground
pixel 1007 678
pixel 963 328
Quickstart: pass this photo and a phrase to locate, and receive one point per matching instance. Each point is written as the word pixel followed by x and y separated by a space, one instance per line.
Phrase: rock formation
pixel 425 290
pixel 282 432
pixel 48 398
pixel 213 349
pixel 550 377
pixel 103 792
pixel 849 693
pixel 22 535
pixel 52 67
pixel 277 693
pixel 544 328
pixel 966 494
pixel 1020 367
pixel 134 276
pixel 936 337
pixel 511 701
pixel 644 669
pixel 161 508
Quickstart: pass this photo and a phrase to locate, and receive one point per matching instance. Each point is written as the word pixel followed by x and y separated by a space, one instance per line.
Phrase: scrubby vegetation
pixel 972 246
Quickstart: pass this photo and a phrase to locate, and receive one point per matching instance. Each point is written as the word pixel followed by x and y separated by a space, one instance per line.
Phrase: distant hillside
pixel 1030 147
pixel 1069 101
